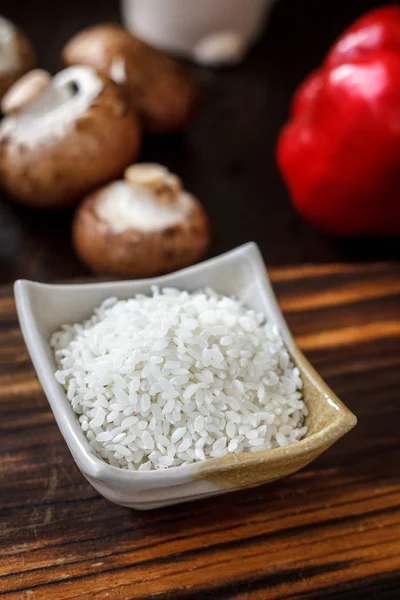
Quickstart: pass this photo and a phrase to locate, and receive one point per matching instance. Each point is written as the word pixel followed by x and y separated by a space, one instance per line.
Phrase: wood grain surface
pixel 332 530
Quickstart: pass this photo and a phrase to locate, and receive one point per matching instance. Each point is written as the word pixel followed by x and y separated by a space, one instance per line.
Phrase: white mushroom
pixel 16 55
pixel 65 137
pixel 142 226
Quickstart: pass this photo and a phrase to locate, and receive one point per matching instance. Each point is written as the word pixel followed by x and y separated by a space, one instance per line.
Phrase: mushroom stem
pixel 25 91
pixel 36 93
pixel 162 183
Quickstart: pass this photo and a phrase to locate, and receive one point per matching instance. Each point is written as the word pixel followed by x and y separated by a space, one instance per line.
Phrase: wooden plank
pixel 331 529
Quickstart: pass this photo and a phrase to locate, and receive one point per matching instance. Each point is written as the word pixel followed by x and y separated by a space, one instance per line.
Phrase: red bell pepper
pixel 340 151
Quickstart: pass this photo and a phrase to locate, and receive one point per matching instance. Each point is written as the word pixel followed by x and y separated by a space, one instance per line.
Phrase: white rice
pixel 177 378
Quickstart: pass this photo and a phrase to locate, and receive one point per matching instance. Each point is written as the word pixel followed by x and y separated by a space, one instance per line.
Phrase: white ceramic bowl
pixel 42 308
pixel 209 32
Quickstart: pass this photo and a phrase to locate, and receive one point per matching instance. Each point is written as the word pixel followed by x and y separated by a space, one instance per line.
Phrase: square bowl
pixel 43 308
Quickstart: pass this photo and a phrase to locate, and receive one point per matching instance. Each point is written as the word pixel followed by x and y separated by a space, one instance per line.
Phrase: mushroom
pixel 16 55
pixel 65 136
pixel 158 86
pixel 24 91
pixel 142 226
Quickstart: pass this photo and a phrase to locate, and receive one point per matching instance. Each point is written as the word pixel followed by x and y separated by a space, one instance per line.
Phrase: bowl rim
pixel 94 466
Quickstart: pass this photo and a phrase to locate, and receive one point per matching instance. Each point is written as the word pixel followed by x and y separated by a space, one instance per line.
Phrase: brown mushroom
pixel 64 138
pixel 158 86
pixel 16 55
pixel 143 226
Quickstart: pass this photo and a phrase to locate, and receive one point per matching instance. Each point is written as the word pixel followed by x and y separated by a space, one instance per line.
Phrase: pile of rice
pixel 176 378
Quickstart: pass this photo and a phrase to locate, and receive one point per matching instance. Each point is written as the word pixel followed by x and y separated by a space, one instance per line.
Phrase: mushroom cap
pixel 125 230
pixel 16 55
pixel 74 137
pixel 159 87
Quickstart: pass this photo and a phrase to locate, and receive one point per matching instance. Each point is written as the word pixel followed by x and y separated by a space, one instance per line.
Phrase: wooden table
pixel 332 530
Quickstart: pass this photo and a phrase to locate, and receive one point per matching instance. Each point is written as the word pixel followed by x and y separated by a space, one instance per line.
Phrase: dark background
pixel 226 157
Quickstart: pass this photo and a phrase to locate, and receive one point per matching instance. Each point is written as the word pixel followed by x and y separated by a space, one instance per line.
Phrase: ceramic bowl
pixel 42 308
pixel 208 32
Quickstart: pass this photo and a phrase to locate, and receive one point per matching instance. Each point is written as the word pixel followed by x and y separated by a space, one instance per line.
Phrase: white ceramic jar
pixel 210 32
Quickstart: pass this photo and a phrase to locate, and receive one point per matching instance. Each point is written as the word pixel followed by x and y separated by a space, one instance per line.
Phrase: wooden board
pixel 331 530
